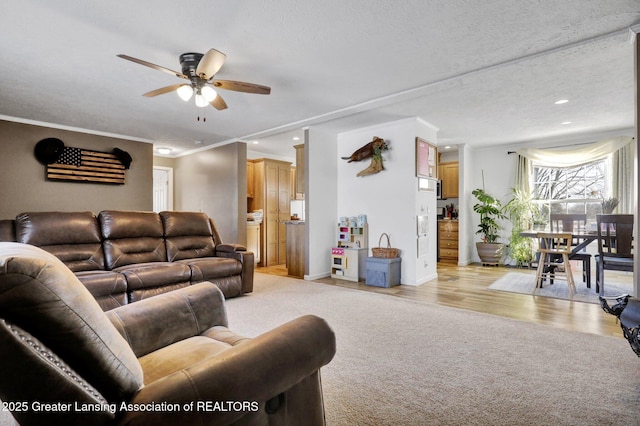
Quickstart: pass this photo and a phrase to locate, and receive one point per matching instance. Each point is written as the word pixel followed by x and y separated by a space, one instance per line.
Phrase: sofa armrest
pixel 252 373
pixel 159 321
pixel 248 264
pixel 230 248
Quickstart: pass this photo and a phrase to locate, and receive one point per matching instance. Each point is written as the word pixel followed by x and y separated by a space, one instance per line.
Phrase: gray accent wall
pixel 23 186
pixel 214 181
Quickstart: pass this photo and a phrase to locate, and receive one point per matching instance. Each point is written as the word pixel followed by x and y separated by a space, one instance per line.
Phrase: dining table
pixel 582 237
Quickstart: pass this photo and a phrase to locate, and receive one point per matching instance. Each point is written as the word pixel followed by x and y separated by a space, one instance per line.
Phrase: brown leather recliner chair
pixel 166 360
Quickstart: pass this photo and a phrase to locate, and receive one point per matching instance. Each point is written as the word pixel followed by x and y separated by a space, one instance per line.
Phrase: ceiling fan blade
pixel 163 90
pixel 210 64
pixel 241 86
pixel 219 103
pixel 154 66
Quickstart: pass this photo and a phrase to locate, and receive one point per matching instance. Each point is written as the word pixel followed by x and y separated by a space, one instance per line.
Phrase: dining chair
pixel 554 249
pixel 574 223
pixel 615 245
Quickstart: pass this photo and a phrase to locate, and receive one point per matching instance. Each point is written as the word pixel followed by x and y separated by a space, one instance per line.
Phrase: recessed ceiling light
pixel 256 142
pixel 295 138
pixel 447 147
pixel 561 101
pixel 564 123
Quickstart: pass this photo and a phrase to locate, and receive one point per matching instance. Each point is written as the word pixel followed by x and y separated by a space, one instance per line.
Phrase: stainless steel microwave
pixel 439 189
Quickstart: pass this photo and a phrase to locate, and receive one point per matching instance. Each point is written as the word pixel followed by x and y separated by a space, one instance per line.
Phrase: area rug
pixel 404 362
pixel 517 282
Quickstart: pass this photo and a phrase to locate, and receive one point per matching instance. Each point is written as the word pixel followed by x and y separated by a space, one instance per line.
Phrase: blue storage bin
pixel 383 272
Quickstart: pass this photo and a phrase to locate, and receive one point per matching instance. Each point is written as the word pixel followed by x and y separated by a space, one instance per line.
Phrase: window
pixel 578 189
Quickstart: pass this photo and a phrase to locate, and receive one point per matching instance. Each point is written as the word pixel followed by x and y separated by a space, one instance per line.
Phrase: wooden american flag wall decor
pixel 83 165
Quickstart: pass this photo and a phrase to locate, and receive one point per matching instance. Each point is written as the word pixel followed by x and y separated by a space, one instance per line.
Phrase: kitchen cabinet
pixel 448 240
pixel 253 240
pixel 272 195
pixel 250 179
pixel 299 174
pixel 296 193
pixel 296 231
pixel 448 173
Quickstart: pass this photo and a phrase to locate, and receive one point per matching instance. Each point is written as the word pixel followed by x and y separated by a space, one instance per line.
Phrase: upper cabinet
pixel 250 179
pixel 448 173
pixel 298 176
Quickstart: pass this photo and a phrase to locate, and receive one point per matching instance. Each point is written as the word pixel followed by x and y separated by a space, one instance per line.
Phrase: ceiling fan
pixel 200 70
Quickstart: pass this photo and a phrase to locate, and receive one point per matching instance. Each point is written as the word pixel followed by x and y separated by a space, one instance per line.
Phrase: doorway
pixel 162 188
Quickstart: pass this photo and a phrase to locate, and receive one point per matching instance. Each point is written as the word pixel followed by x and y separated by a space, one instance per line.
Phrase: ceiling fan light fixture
pixel 208 93
pixel 200 100
pixel 185 92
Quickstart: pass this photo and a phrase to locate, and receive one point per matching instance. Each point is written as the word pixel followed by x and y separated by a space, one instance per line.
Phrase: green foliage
pixel 490 210
pixel 522 213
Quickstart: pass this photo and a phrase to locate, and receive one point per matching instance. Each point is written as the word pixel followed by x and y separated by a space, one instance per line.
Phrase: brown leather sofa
pixel 126 256
pixel 165 360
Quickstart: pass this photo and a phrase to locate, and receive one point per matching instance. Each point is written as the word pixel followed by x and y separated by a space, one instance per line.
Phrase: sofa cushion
pixel 42 296
pixel 179 355
pixel 131 237
pixel 188 235
pixel 152 278
pixel 207 268
pixel 73 237
pixel 108 287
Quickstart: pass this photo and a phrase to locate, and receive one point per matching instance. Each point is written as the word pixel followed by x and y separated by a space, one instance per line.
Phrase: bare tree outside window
pixel 572 189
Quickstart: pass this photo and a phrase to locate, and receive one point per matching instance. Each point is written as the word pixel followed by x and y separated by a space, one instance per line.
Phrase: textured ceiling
pixel 484 73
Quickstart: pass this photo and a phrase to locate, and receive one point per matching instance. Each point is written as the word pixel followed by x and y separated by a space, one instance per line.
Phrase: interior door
pixel 161 189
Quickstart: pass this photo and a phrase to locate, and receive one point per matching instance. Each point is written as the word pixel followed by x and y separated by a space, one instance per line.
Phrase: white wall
pixel 390 198
pixel 321 200
pixel 425 203
pixel 499 176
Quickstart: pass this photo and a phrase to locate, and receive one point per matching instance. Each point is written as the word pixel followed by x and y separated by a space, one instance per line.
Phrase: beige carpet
pixel 401 362
pixel 524 283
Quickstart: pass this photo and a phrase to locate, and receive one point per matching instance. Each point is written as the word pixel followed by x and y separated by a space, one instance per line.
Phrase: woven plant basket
pixel 385 252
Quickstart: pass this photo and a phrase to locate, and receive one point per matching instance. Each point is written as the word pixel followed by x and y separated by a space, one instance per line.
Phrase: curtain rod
pixel 562 146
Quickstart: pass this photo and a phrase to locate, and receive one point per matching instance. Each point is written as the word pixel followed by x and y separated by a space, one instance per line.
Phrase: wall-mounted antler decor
pixel 371 150
pixel 81 165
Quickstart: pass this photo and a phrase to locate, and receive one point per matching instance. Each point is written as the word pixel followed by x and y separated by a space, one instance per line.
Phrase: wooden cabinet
pixel 253 240
pixel 250 179
pixel 295 248
pixel 448 173
pixel 298 193
pixel 272 195
pixel 448 240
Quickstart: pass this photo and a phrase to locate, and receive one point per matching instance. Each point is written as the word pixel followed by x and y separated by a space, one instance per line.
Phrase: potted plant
pixel 609 205
pixel 490 210
pixel 523 213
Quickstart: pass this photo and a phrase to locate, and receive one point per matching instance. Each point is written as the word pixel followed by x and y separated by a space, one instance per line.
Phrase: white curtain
pixel 523 175
pixel 574 157
pixel 622 183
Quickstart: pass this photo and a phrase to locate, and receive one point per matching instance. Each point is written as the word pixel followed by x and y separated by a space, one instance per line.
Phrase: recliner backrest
pixel 41 296
pixel 73 237
pixel 132 237
pixel 187 235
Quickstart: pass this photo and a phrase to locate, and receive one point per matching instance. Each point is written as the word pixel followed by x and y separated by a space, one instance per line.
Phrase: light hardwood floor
pixel 465 287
